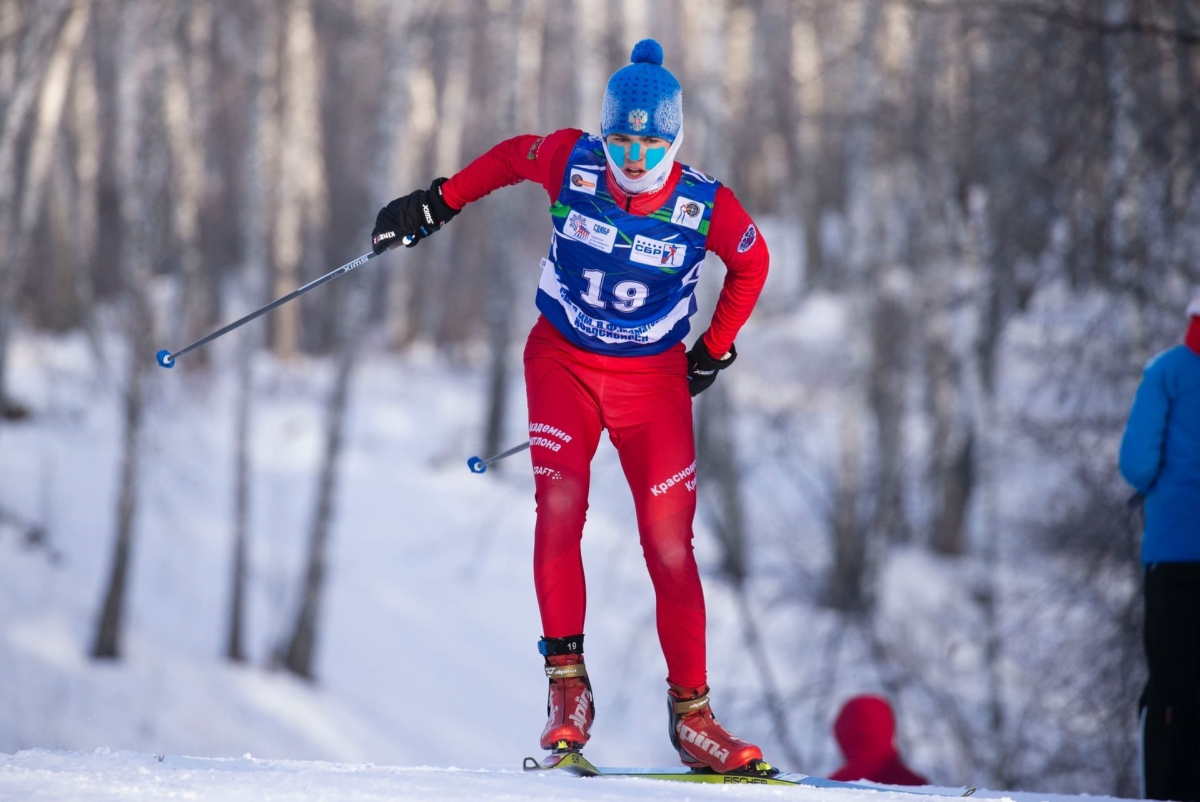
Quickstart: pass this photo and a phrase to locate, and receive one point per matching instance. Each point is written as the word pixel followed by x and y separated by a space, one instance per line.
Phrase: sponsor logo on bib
pixel 583 181
pixel 657 253
pixel 599 235
pixel 688 213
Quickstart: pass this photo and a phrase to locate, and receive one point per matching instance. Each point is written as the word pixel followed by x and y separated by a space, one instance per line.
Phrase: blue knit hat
pixel 643 98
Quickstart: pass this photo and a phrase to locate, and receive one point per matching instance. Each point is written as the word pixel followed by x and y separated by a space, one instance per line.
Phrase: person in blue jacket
pixel 1160 457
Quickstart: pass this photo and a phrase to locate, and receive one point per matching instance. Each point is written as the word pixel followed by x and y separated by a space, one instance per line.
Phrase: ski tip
pixel 477 465
pixel 165 359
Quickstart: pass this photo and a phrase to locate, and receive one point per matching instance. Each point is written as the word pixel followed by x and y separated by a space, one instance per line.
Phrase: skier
pixel 1160 457
pixel 631 228
pixel 866 732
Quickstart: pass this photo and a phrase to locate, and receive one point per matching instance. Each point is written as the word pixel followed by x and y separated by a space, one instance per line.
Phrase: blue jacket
pixel 1160 456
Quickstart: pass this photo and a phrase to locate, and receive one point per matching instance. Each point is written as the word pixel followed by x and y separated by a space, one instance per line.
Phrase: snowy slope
pixel 132 776
pixel 427 647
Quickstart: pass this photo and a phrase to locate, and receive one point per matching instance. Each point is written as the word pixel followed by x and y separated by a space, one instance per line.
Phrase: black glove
pixel 703 367
pixel 417 215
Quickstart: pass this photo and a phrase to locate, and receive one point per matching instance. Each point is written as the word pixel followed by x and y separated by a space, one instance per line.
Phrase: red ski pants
pixel 645 405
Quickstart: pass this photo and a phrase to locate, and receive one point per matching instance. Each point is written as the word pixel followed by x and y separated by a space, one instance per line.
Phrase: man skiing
pixel 631 228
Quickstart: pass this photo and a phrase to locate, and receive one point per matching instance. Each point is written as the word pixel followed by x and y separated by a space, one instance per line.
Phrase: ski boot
pixel 569 708
pixel 703 744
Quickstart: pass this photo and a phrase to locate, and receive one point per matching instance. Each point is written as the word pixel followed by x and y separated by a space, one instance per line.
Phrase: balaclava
pixel 643 99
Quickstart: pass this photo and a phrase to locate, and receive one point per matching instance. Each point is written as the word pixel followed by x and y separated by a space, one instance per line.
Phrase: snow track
pixel 104 775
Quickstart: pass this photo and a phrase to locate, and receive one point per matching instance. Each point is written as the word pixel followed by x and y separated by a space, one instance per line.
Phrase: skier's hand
pixel 703 366
pixel 415 216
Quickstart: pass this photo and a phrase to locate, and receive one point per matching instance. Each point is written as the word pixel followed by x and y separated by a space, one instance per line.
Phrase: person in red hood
pixel 866 731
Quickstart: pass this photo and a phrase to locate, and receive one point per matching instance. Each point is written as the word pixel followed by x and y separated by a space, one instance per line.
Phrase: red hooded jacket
pixel 866 730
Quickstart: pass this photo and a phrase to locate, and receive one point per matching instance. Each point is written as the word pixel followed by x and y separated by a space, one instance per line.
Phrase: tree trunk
pixel 43 75
pixel 886 391
pixel 847 589
pixel 717 463
pixel 301 648
pixel 953 442
pixel 300 652
pixel 189 77
pixel 500 303
pixel 300 214
pixel 139 171
pixel 261 165
pixel 235 648
pixel 414 90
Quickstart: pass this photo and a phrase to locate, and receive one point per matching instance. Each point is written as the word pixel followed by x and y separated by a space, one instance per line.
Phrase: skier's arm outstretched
pixel 522 158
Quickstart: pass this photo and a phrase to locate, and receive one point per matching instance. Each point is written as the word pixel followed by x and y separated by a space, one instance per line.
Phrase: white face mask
pixel 651 179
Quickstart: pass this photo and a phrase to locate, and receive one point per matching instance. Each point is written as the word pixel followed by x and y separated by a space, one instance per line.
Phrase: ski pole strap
pixel 563 672
pixel 685 706
pixel 552 647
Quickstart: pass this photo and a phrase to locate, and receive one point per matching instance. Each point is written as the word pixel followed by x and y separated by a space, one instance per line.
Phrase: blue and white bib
pixel 619 283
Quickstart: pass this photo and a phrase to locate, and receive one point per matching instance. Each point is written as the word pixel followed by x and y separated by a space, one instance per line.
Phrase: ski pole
pixel 167 359
pixel 478 465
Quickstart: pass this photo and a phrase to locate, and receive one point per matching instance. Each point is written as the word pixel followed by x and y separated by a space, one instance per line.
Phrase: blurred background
pixel 984 218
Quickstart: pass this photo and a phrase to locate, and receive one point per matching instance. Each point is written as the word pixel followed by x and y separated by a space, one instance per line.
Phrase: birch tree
pixel 139 168
pixel 40 75
pixel 300 650
pixel 261 167
pixel 508 22
pixel 188 82
pixel 300 213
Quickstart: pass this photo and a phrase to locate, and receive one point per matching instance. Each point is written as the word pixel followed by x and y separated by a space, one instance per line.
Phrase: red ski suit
pixel 643 401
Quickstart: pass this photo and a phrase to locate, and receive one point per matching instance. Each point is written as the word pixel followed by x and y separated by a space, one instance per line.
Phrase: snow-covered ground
pixel 108 775
pixel 427 642
pixel 430 619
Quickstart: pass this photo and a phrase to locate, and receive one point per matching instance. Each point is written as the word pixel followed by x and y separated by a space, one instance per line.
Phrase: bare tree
pixel 261 163
pixel 189 78
pixel 505 26
pixel 301 211
pixel 139 167
pixel 43 77
pixel 299 653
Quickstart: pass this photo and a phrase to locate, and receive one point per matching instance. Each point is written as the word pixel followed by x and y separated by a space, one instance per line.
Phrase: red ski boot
pixel 700 739
pixel 569 708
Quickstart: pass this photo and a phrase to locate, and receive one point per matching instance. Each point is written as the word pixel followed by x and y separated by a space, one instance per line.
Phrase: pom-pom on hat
pixel 643 98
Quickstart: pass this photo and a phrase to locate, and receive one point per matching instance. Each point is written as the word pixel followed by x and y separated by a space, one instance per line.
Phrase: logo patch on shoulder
pixel 688 213
pixel 583 181
pixel 600 235
pixel 533 149
pixel 657 253
pixel 699 176
pixel 748 239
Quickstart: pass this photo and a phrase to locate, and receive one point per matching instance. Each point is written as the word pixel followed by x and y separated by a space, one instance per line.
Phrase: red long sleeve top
pixel 732 235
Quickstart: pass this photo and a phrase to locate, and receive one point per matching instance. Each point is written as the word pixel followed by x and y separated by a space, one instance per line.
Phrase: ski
pixel 576 764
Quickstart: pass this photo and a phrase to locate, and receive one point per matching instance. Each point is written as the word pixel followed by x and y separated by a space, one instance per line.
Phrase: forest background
pixel 984 218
